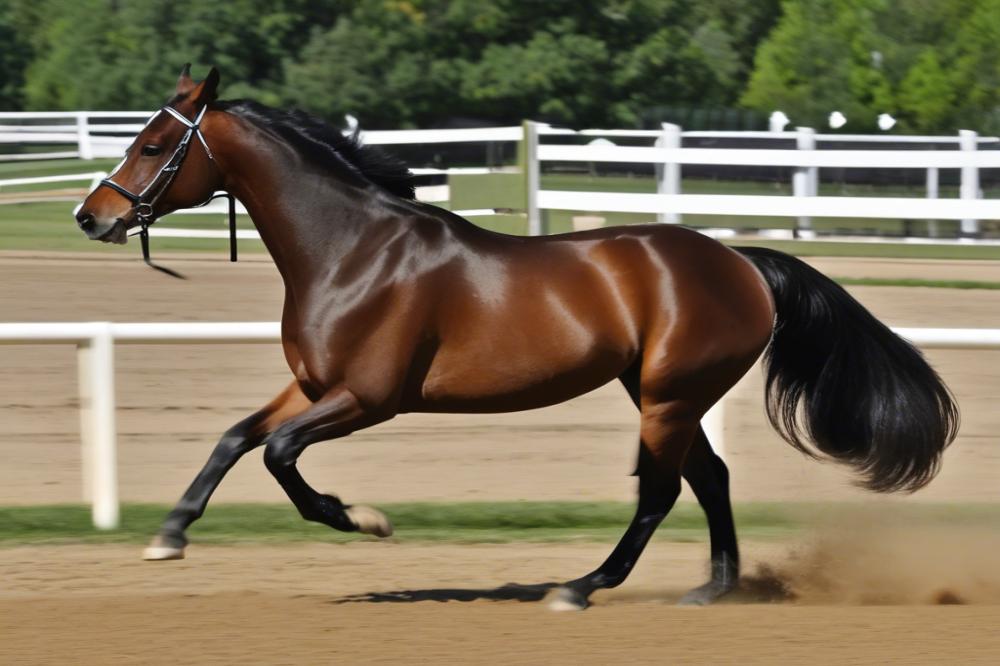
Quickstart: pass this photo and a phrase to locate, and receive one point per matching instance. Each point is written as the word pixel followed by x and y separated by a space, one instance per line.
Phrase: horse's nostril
pixel 84 220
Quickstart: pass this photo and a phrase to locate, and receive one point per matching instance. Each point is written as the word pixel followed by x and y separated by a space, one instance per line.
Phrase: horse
pixel 394 306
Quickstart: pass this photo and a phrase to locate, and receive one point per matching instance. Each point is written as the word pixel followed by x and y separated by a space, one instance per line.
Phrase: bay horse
pixel 394 306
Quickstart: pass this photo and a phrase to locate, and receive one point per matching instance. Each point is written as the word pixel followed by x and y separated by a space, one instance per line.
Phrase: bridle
pixel 144 202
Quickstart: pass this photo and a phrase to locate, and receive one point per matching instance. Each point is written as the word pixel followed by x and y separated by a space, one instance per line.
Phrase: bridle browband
pixel 144 201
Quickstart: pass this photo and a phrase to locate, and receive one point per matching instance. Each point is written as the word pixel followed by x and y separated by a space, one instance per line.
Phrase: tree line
pixel 932 64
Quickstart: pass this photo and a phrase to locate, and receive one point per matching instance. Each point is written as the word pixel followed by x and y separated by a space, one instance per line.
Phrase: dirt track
pixel 378 603
pixel 252 604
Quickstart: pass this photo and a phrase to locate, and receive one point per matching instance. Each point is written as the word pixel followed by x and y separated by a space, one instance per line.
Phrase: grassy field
pixel 908 282
pixel 51 168
pixel 469 522
pixel 47 226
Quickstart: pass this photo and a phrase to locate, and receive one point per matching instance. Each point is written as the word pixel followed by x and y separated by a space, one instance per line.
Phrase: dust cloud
pixel 884 560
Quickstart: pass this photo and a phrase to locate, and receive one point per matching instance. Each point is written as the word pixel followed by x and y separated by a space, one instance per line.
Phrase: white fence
pixel 108 133
pixel 91 134
pixel 94 136
pixel 669 202
pixel 96 377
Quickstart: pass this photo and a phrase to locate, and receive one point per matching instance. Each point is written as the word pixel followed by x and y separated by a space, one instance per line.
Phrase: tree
pixel 927 95
pixel 977 68
pixel 823 56
pixel 393 63
pixel 934 65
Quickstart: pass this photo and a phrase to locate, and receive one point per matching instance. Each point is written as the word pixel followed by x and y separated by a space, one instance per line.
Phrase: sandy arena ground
pixel 89 604
pixel 384 603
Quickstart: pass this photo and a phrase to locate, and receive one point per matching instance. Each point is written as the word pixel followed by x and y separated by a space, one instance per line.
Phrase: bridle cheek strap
pixel 144 201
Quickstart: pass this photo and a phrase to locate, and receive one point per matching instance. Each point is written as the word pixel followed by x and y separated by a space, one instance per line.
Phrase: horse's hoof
pixel 161 548
pixel 566 599
pixel 706 594
pixel 369 520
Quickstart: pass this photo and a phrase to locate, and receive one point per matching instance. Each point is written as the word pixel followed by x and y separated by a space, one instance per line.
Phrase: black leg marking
pixel 657 493
pixel 170 541
pixel 709 479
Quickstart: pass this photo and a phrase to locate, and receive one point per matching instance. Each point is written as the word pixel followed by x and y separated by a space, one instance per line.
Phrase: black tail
pixel 868 398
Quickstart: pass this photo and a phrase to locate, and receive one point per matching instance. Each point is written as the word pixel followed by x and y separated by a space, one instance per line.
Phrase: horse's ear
pixel 185 84
pixel 207 90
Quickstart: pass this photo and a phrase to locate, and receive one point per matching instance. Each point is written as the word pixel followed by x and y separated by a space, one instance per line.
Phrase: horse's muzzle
pixel 116 232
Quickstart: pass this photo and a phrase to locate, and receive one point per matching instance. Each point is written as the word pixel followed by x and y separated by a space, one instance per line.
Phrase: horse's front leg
pixel 336 414
pixel 248 434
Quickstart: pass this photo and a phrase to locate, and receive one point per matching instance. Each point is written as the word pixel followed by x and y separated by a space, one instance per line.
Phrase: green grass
pixel 908 282
pixel 464 522
pixel 468 522
pixel 49 227
pixel 51 168
pixel 882 250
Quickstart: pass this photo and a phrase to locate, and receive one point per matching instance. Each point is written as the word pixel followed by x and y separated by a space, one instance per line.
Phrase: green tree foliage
pixel 125 54
pixel 933 64
pixel 392 63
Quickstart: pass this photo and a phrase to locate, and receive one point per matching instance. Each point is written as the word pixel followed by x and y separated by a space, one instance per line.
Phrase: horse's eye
pixel 149 150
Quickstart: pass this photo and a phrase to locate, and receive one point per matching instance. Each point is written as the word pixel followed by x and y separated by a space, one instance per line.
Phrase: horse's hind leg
pixel 248 434
pixel 709 479
pixel 667 432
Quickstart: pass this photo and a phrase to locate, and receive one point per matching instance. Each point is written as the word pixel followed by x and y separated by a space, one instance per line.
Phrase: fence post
pixel 668 173
pixel 969 189
pixel 932 193
pixel 95 359
pixel 713 423
pixel 84 146
pixel 805 180
pixel 532 178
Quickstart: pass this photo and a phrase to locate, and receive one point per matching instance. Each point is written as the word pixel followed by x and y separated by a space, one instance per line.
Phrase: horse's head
pixel 169 166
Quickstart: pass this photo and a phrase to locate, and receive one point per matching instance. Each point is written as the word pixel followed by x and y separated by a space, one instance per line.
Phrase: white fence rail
pixel 96 380
pixel 90 131
pixel 94 178
pixel 669 202
pixel 95 343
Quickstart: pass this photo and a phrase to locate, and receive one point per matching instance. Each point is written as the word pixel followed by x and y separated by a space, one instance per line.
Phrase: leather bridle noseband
pixel 144 201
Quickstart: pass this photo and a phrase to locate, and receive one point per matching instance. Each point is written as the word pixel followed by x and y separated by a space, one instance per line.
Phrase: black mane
pixel 323 143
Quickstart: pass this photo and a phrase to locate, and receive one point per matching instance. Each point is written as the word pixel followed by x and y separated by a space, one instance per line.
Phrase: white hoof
pixel 152 553
pixel 563 599
pixel 561 605
pixel 369 520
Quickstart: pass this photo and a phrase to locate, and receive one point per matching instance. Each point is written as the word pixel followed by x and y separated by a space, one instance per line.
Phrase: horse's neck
pixel 308 219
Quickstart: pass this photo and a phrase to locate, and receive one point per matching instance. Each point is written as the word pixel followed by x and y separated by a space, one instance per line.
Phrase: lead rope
pixel 144 242
pixel 144 237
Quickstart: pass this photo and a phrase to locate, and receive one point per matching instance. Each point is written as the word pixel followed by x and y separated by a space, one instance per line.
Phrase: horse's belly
pixel 500 380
